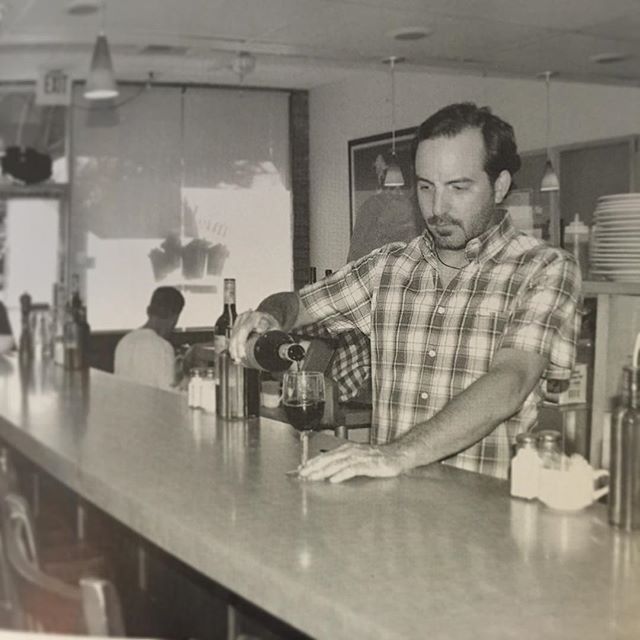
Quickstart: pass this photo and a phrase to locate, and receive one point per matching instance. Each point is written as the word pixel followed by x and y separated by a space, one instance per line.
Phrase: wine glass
pixel 303 401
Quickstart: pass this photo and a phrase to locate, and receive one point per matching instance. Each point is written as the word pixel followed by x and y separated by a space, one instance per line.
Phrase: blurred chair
pixel 63 552
pixel 42 602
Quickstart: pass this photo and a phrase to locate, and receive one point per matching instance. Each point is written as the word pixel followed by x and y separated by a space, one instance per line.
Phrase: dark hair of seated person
pixel 165 302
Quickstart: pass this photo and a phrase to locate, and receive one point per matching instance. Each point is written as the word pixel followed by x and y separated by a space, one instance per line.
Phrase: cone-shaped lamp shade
pixel 393 177
pixel 549 180
pixel 101 83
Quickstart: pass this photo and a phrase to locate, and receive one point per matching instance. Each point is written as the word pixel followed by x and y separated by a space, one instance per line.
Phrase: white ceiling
pixel 303 43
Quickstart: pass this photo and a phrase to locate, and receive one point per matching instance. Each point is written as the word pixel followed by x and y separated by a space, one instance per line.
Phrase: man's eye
pixel 460 187
pixel 425 187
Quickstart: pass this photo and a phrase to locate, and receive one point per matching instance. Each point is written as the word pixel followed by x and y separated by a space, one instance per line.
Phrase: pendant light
pixel 549 180
pixel 393 176
pixel 101 82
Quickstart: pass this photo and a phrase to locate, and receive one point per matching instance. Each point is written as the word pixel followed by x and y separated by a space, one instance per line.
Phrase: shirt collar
pixel 483 247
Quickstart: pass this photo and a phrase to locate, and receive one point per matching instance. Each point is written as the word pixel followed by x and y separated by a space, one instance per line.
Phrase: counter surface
pixel 439 553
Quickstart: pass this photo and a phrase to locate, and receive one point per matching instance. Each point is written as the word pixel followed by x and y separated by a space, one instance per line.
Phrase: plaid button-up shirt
pixel 429 343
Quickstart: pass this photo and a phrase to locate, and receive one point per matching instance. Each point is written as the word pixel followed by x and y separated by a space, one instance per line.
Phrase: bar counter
pixel 438 553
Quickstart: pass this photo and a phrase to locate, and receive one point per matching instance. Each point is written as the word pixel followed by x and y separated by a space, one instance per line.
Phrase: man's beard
pixel 444 234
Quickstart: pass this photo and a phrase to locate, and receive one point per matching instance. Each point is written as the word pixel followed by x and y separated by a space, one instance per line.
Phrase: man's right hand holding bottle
pixel 247 323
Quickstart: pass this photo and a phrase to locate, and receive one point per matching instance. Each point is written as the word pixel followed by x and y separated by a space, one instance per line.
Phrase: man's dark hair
pixel 165 302
pixel 499 139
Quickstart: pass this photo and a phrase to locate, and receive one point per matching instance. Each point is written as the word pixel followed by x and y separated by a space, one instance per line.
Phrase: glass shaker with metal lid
pixel 526 440
pixel 525 467
pixel 549 448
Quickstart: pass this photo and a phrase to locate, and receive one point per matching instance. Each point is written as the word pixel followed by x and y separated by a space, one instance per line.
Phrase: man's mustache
pixel 436 221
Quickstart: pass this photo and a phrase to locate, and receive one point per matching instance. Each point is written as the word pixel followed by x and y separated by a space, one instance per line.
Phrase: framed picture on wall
pixel 380 214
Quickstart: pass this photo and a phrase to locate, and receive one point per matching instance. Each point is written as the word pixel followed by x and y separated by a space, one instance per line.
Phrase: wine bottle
pixel 227 317
pixel 77 330
pixel 76 300
pixel 26 335
pixel 71 340
pixel 84 335
pixel 272 351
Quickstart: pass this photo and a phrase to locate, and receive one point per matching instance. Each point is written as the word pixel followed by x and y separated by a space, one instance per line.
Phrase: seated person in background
pixel 145 355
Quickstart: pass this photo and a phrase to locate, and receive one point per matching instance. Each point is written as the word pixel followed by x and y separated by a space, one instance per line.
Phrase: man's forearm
pixel 286 308
pixel 465 420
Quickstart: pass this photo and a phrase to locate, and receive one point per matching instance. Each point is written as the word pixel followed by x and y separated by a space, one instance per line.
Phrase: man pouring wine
pixel 466 321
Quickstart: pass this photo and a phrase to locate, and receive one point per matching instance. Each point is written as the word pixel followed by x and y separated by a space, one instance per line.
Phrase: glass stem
pixel 304 439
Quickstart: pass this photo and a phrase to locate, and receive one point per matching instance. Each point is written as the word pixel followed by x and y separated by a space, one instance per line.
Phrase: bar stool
pixel 42 602
pixel 62 552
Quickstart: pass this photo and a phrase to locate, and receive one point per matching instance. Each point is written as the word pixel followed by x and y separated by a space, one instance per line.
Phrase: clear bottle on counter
pixel 230 390
pixel 576 240
pixel 549 444
pixel 624 492
pixel 25 345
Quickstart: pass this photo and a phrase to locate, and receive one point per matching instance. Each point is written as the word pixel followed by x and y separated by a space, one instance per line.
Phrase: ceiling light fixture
pixel 409 33
pixel 609 57
pixel 101 82
pixel 82 7
pixel 393 176
pixel 549 180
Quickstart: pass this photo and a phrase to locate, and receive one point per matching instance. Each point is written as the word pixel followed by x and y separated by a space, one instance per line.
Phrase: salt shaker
pixel 194 390
pixel 208 392
pixel 549 449
pixel 525 467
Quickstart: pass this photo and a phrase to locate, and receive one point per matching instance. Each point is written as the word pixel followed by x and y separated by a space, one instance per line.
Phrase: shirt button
pixel 440 310
pixel 424 395
pixel 431 353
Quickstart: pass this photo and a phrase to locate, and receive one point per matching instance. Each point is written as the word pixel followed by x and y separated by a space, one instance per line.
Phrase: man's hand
pixel 352 460
pixel 247 323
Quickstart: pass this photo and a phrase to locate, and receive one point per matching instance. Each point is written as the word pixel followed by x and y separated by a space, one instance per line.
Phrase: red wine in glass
pixel 303 401
pixel 304 416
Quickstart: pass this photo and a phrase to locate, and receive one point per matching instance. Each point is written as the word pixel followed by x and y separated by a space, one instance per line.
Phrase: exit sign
pixel 53 86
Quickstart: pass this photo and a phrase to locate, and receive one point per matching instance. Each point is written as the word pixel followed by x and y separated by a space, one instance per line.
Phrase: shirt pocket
pixel 482 334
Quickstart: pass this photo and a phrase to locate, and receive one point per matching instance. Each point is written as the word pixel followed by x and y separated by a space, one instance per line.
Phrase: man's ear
pixel 501 186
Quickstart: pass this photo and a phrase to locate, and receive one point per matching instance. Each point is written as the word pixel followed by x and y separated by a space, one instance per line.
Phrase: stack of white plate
pixel 615 238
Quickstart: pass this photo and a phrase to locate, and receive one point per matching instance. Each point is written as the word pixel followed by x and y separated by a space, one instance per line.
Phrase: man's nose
pixel 440 203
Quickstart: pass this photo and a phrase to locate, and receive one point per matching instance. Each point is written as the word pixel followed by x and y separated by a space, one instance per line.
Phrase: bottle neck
pixel 229 297
pixel 230 310
pixel 291 352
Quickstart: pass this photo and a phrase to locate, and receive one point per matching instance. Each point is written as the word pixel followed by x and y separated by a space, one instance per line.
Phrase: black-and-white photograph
pixel 319 319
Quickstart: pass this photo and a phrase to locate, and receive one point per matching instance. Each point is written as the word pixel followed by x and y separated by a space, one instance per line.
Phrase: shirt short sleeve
pixel 546 318
pixel 342 301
